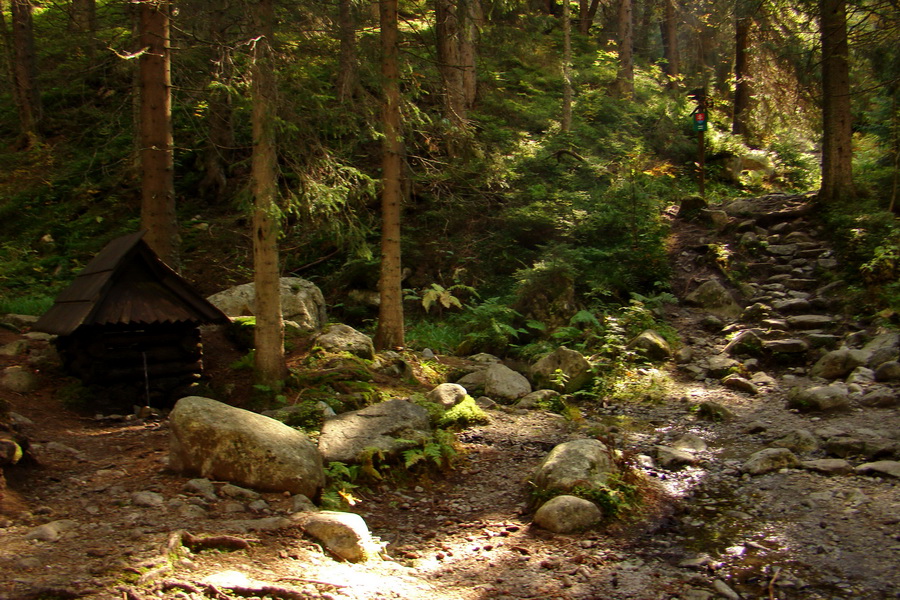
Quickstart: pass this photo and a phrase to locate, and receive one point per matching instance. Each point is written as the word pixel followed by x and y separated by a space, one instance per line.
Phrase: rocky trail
pixel 773 455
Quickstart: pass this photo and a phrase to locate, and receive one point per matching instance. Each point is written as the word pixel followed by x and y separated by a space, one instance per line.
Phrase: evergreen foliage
pixel 518 206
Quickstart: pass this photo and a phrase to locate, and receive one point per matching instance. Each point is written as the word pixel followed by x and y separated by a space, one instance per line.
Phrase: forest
pixel 536 143
pixel 474 186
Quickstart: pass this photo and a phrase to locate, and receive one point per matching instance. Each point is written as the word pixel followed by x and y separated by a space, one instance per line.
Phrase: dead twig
pixel 776 570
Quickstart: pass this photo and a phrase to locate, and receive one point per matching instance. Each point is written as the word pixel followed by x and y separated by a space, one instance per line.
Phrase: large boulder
pixel 881 349
pixel 571 364
pixel 221 442
pixel 338 337
pixel 819 398
pixel 503 384
pixel 584 463
pixel 301 302
pixel 712 297
pixel 838 363
pixel 567 514
pixel 389 427
pixel 652 345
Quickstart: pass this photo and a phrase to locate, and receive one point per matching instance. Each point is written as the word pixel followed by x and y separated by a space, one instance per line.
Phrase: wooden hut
pixel 130 323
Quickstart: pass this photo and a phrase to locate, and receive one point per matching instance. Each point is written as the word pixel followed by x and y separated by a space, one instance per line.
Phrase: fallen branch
pixel 313 581
pixel 196 543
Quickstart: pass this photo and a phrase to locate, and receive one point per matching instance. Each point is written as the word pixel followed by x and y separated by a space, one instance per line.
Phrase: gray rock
pixel 810 321
pixel 828 466
pixel 713 411
pixel 756 312
pixel 861 376
pixel 578 463
pixel 721 365
pixel 888 371
pixel 447 394
pixel 147 499
pixel 191 511
pixel 673 459
pixel 652 345
pixel 736 382
pixel 537 398
pixel 345 534
pixel 504 384
pixel 204 487
pixel 300 503
pixel 881 398
pixel 713 297
pixel 301 302
pixel 786 346
pixel 389 426
pixel 798 440
pixel 745 342
pixel 838 363
pixel 50 532
pixel 217 441
pixel 725 591
pixel 891 468
pixel 861 443
pixel 19 379
pixel 820 398
pixel 791 305
pixel 571 363
pixel 338 337
pixel 782 249
pixel 567 514
pixel 235 491
pixel 882 348
pixel 474 382
pixel 770 459
pixel 14 348
pixel 690 442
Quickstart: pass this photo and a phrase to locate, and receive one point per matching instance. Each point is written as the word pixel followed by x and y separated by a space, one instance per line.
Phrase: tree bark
pixel 156 151
pixel 390 332
pixel 220 127
pixel 347 68
pixel 84 15
pixel 566 62
pixel 472 18
pixel 669 31
pixel 742 91
pixel 837 134
pixel 625 76
pixel 447 30
pixel 269 363
pixel 587 10
pixel 25 88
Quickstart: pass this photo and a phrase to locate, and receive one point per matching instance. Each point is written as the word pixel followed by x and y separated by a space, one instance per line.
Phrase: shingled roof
pixel 127 284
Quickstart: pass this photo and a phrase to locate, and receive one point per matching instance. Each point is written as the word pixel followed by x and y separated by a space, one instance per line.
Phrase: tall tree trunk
pixel 669 30
pixel 269 363
pixel 220 128
pixel 837 149
pixel 625 76
pixel 25 88
pixel 156 152
pixel 347 68
pixel 566 71
pixel 742 92
pixel 587 10
pixel 84 15
pixel 472 18
pixel 390 332
pixel 447 30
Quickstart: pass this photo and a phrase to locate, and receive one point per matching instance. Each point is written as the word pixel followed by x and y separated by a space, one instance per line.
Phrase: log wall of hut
pixel 127 361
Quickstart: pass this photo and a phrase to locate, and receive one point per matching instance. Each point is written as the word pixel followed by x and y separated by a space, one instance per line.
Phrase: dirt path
pixel 712 531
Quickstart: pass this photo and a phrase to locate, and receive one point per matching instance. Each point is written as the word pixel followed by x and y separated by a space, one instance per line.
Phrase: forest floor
pixel 708 532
